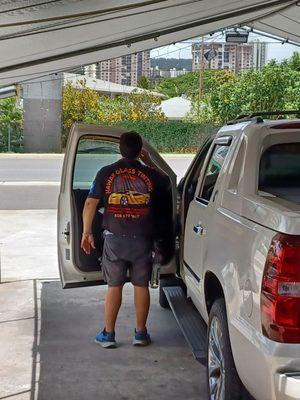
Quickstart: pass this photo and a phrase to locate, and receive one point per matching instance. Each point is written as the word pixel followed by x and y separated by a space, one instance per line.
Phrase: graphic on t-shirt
pixel 129 197
pixel 128 191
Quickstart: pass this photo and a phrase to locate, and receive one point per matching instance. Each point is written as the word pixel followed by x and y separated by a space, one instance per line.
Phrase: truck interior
pixel 92 154
pixel 276 180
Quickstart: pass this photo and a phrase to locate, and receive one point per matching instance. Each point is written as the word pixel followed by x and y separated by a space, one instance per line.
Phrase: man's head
pixel 130 145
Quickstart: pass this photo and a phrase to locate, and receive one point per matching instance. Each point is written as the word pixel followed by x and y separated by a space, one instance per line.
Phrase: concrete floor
pixel 47 350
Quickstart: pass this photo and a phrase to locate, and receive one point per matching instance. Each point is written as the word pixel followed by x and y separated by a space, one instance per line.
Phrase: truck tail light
pixel 280 294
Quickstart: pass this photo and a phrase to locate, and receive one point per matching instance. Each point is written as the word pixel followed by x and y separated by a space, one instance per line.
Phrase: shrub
pixel 11 135
pixel 171 136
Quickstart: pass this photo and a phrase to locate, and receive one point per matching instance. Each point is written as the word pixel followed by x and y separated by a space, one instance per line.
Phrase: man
pixel 137 201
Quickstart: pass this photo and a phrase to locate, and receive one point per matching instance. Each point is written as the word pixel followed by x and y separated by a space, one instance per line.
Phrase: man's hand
pixel 87 242
pixel 145 157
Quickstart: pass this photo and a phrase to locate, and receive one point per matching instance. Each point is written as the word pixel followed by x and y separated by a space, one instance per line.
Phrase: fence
pixel 11 136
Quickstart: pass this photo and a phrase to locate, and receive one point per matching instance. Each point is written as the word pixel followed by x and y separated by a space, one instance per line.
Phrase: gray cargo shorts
pixel 122 253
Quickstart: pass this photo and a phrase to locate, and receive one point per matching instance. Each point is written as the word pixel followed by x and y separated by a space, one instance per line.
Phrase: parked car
pixel 234 284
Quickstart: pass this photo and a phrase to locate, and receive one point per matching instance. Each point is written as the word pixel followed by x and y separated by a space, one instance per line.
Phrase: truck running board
pixel 189 320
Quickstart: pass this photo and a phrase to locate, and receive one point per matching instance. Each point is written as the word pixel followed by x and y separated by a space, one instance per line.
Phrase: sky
pixel 275 49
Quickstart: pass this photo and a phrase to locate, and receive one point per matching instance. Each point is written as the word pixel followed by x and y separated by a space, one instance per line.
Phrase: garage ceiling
pixel 38 37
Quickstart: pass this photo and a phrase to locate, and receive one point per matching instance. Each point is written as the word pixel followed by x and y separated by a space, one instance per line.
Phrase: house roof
pixel 104 87
pixel 176 108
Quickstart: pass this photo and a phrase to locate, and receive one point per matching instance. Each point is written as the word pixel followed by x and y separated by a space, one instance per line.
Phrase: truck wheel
pixel 166 282
pixel 223 380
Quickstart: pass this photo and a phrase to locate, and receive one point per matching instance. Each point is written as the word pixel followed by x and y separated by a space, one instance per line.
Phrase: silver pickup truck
pixel 239 259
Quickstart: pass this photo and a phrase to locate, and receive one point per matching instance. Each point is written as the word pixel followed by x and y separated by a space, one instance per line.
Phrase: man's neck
pixel 129 159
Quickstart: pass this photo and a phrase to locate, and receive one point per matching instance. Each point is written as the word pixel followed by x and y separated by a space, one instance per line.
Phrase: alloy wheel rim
pixel 216 367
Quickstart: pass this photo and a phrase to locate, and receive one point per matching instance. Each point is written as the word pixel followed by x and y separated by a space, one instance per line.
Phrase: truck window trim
pixel 220 141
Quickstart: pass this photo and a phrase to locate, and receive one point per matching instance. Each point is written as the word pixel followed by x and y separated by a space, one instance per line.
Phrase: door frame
pixel 71 275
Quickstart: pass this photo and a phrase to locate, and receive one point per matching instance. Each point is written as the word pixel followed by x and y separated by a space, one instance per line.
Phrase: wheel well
pixel 213 290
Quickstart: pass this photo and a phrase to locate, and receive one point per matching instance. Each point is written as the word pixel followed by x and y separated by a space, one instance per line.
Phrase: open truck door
pixel 89 148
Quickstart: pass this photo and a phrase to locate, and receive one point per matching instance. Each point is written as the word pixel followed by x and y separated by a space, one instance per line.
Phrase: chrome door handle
pixel 199 230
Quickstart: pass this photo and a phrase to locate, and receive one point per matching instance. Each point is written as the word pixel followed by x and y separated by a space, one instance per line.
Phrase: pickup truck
pixel 234 282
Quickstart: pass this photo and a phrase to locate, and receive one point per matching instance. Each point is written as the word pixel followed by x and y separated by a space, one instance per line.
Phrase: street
pixel 31 181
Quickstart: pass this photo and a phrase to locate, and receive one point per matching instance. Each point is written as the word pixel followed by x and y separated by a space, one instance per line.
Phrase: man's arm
pixel 145 157
pixel 88 214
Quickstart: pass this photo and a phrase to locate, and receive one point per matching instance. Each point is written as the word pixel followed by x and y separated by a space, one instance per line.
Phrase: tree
pixel 294 61
pixel 11 121
pixel 145 107
pixel 144 82
pixel 78 104
pixel 276 87
pixel 188 84
pixel 182 85
pixel 86 105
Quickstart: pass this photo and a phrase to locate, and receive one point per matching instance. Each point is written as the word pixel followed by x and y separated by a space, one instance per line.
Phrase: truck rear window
pixel 279 172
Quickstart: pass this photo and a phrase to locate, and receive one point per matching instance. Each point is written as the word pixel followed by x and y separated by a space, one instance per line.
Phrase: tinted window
pixel 279 171
pixel 92 154
pixel 212 172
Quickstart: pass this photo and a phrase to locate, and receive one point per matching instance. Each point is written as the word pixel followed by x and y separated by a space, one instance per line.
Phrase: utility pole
pixel 9 137
pixel 200 76
pixel 201 69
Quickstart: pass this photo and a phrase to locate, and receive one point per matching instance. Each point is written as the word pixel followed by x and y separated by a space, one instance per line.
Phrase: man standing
pixel 137 201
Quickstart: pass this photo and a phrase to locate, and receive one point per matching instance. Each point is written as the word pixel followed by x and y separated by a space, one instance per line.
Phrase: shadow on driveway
pixel 67 364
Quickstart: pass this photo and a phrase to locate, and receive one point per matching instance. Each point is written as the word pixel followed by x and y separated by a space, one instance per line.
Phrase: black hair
pixel 131 145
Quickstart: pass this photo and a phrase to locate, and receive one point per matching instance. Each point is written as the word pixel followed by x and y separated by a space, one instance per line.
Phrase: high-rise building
pixel 125 70
pixel 234 57
pixel 259 54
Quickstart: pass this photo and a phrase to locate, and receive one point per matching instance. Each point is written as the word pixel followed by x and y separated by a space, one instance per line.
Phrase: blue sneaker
pixel 141 338
pixel 105 339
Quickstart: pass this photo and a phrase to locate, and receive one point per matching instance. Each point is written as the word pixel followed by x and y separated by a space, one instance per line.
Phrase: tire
pixel 166 282
pixel 124 201
pixel 223 381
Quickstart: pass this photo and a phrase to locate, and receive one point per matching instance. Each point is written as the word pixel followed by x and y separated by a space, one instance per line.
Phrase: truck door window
pixel 92 154
pixel 212 172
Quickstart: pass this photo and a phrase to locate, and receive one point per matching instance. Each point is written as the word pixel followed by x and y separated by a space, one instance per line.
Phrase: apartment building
pixel 125 70
pixel 157 73
pixel 232 56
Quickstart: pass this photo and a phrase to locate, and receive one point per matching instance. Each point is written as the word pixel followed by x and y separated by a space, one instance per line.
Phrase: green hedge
pixel 171 136
pixel 165 136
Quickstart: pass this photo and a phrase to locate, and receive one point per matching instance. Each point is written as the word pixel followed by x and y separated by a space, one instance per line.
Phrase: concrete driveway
pixel 47 350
